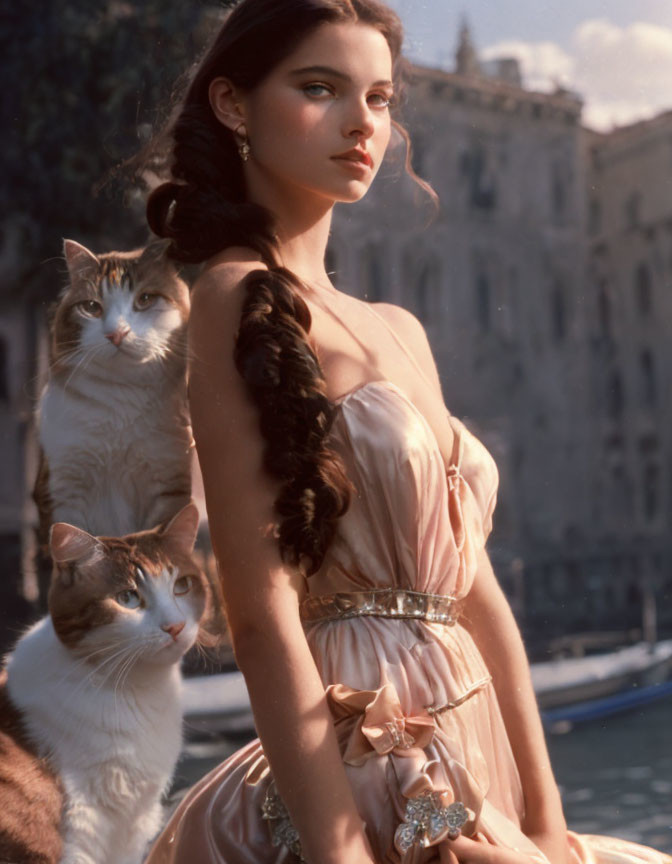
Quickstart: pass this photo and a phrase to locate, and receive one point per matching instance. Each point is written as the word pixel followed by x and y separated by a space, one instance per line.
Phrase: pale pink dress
pixel 416 523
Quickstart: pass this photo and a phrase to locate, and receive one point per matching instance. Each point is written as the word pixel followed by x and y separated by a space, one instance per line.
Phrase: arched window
pixel 648 378
pixel 604 310
pixel 632 210
pixel 475 166
pixel 559 182
pixel 643 298
pixel 422 283
pixel 594 217
pixel 4 371
pixel 615 395
pixel 558 312
pixel 483 301
pixel 650 490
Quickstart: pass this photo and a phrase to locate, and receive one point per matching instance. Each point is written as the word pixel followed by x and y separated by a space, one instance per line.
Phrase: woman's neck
pixel 304 222
pixel 302 246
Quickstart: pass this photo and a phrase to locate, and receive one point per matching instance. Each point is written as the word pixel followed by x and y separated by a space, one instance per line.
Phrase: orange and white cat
pixel 113 420
pixel 92 693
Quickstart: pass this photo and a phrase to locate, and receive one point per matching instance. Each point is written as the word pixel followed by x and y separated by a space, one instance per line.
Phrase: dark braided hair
pixel 203 209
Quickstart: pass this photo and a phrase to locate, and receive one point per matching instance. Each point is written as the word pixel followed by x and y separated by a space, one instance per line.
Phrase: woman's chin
pixel 354 191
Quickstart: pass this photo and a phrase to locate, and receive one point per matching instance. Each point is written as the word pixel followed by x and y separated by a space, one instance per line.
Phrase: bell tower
pixel 466 59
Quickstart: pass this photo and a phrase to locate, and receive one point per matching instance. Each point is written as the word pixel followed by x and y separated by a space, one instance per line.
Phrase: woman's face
pixel 298 121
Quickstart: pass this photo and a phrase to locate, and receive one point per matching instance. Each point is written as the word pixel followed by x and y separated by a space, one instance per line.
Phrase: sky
pixel 617 55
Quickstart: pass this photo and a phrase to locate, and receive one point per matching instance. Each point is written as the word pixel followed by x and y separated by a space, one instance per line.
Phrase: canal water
pixel 615 775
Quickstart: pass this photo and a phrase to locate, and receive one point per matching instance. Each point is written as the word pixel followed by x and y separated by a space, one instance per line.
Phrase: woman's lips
pixel 354 164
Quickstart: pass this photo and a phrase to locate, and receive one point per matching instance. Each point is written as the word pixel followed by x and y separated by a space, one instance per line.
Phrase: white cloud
pixel 541 62
pixel 624 74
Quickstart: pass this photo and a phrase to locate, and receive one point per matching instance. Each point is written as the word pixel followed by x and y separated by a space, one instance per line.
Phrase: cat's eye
pixel 145 300
pixel 182 585
pixel 129 599
pixel 91 308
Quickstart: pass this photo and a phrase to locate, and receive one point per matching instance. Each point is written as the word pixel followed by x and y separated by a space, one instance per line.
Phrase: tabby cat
pixel 113 421
pixel 91 721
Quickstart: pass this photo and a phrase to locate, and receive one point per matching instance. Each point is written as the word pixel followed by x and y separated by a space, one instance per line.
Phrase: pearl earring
pixel 244 146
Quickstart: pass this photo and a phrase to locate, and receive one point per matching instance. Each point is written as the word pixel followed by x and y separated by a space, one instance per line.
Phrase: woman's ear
pixel 225 103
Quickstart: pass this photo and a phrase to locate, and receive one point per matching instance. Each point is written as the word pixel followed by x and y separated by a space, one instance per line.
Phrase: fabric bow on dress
pixel 382 729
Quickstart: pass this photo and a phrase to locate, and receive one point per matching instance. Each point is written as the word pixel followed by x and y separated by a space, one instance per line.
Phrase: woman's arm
pixel 488 618
pixel 261 593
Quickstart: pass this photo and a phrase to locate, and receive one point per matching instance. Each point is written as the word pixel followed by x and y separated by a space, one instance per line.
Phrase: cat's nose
pixel 117 335
pixel 174 629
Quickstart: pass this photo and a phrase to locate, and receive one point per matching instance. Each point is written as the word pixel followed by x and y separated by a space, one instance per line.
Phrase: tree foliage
pixel 85 83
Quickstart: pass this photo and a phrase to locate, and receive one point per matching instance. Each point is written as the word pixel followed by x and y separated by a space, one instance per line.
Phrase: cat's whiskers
pixel 68 730
pixel 112 659
pixel 126 665
pixel 92 351
pixel 76 341
pixel 69 356
pixel 74 668
pixel 121 672
pixel 200 650
pixel 116 659
pixel 88 679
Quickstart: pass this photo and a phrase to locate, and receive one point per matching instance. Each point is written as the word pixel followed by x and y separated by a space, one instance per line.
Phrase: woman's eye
pixel 182 585
pixel 387 101
pixel 129 599
pixel 319 87
pixel 145 300
pixel 91 308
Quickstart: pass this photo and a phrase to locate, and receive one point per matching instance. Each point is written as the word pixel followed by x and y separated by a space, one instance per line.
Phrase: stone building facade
pixel 544 283
pixel 507 282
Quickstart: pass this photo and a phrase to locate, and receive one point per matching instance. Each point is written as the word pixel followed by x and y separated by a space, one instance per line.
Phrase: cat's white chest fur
pixel 114 748
pixel 119 455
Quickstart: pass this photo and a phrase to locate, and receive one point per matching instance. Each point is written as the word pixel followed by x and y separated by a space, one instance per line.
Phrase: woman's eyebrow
pixel 327 70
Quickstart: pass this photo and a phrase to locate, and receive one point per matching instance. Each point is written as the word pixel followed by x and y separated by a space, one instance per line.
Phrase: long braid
pixel 203 208
pixel 283 376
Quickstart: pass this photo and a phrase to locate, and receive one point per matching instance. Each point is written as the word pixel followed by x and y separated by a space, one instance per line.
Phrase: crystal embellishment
pixel 381 603
pixel 283 832
pixel 426 819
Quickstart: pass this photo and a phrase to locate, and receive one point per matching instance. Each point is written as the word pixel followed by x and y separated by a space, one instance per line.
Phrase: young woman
pixel 348 508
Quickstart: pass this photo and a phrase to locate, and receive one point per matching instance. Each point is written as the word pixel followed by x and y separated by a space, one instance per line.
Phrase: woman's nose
pixel 359 121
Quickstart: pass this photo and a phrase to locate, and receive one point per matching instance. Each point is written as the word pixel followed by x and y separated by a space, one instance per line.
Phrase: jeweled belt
pixel 381 603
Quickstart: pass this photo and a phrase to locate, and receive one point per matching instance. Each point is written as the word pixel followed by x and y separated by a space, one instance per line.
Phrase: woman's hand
pixel 464 850
pixel 554 845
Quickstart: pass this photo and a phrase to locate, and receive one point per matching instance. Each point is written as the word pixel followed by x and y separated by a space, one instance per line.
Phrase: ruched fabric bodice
pixel 415 522
pixel 415 710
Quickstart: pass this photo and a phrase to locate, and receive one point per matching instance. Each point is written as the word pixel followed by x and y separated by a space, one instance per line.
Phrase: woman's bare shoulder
pixel 412 333
pixel 402 321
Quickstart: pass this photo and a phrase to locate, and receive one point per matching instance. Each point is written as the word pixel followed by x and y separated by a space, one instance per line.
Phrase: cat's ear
pixel 71 545
pixel 78 258
pixel 183 528
pixel 154 254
